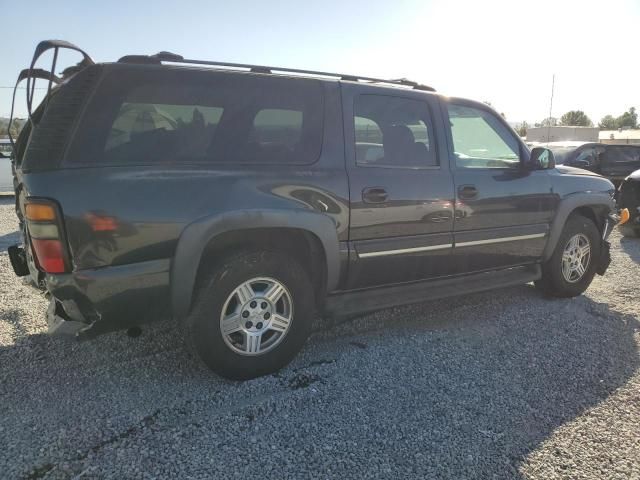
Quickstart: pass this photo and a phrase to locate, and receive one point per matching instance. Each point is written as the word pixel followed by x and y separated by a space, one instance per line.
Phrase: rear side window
pixel 133 120
pixel 43 147
pixel 171 116
pixel 275 126
pixel 622 154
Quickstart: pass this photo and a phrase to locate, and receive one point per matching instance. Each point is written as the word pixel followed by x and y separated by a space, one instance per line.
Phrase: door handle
pixel 374 195
pixel 467 191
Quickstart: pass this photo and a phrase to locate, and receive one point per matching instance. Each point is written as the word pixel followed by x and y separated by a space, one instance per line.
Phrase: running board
pixel 361 301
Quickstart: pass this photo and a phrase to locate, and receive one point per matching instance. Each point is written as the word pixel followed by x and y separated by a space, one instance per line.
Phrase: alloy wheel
pixel 256 316
pixel 575 258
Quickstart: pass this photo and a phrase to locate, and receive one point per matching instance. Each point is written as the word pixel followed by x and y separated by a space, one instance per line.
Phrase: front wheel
pixel 571 268
pixel 252 314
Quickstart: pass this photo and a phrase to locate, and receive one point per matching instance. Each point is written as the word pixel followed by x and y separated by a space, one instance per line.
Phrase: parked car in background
pixel 574 153
pixel 619 161
pixel 612 161
pixel 629 198
pixel 244 200
pixel 6 175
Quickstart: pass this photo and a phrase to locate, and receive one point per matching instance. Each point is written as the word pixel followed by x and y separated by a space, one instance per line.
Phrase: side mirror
pixel 541 159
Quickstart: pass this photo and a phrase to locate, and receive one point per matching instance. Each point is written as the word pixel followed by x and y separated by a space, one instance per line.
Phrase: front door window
pixel 481 140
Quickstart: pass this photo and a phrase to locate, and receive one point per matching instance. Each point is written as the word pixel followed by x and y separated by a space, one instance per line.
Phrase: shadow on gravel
pixel 13 318
pixel 451 389
pixel 9 239
pixel 483 395
pixel 631 246
pixel 7 200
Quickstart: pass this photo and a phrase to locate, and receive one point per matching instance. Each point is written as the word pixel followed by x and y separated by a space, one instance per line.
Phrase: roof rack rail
pixel 160 57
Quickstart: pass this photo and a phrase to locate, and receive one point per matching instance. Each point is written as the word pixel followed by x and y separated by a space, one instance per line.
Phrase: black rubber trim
pixel 362 301
pixel 568 205
pixel 198 234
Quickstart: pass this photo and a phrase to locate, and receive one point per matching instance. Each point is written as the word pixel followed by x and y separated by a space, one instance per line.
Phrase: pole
pixel 553 82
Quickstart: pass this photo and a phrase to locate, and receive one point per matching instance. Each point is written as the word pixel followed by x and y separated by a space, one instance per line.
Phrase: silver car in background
pixel 6 176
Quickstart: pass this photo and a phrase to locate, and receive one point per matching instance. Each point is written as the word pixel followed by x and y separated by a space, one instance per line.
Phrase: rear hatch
pixel 618 161
pixel 40 148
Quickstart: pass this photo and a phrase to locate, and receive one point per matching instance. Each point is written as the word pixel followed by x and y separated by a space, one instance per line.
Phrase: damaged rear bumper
pixel 59 322
pixel 87 303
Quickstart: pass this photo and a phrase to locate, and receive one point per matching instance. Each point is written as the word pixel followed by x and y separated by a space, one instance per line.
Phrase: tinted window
pixel 393 132
pixel 277 127
pixel 623 154
pixel 587 156
pixel 368 141
pixel 480 139
pixel 136 119
pixel 171 116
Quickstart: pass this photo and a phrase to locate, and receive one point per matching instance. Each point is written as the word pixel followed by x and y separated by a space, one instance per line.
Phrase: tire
pixel 554 281
pixel 234 356
pixel 629 231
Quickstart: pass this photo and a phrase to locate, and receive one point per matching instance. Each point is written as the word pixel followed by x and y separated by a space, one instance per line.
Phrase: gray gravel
pixel 499 385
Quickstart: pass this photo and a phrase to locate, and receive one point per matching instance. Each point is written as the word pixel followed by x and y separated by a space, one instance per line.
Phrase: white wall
pixel 560 134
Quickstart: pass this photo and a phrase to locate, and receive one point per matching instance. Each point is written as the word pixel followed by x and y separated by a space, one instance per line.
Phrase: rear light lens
pixel 49 255
pixel 40 212
pixel 47 242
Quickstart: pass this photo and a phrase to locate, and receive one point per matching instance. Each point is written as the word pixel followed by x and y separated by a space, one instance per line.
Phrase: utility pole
pixel 553 82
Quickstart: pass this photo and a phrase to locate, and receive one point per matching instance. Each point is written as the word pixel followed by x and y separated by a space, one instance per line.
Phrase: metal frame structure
pixel 31 74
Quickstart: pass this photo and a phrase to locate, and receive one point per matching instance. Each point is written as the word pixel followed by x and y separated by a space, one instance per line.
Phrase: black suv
pixel 243 200
pixel 614 162
pixel 629 199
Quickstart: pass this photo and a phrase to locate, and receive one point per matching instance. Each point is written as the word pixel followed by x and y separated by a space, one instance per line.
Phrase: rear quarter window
pixel 43 147
pixel 163 115
pixel 622 154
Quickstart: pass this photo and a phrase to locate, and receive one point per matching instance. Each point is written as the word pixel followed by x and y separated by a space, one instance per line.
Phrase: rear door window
pixel 159 115
pixel 393 132
pixel 623 154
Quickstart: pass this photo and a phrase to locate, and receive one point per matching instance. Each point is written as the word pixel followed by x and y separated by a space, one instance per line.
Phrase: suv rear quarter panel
pixel 151 206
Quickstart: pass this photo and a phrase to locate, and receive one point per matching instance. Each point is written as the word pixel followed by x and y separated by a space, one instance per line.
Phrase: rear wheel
pixel 572 266
pixel 252 314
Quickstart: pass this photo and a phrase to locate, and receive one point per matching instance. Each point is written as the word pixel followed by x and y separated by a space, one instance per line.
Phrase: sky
pixel 503 52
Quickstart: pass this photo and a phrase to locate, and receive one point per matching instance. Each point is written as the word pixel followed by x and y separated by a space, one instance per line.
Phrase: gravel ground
pixel 499 385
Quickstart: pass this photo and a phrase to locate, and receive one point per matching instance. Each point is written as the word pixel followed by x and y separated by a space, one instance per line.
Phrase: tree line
pixel 16 126
pixel 577 118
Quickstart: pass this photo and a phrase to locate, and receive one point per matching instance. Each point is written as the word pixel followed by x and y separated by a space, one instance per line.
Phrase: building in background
pixel 562 134
pixel 620 137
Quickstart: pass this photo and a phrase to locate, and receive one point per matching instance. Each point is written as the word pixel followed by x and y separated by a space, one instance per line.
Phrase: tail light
pixel 44 224
pixel 624 216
